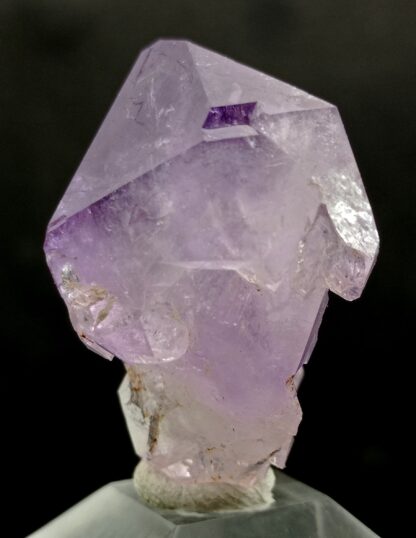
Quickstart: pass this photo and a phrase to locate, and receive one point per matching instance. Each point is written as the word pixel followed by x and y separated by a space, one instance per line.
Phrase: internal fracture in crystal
pixel 197 240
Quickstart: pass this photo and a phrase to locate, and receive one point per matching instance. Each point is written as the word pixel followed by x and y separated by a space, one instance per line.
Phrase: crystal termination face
pixel 197 240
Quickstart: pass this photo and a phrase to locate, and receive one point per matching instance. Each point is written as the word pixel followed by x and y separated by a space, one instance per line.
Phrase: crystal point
pixel 214 209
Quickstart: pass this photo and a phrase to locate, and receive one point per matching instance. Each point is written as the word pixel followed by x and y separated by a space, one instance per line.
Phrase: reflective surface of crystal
pixel 197 241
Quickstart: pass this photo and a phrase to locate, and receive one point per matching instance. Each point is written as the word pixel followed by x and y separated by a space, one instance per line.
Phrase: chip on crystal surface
pixel 197 240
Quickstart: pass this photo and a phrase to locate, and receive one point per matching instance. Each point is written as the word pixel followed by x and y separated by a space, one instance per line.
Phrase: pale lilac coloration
pixel 197 241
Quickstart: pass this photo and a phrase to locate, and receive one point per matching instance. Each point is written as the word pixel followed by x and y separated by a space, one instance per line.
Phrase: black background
pixel 61 64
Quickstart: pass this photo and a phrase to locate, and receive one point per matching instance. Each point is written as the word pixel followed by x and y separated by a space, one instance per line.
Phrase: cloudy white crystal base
pixel 157 490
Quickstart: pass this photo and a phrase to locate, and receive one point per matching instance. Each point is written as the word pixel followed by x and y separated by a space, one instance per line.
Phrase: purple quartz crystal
pixel 197 241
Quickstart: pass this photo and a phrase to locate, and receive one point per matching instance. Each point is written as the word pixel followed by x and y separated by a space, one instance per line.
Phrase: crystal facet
pixel 221 116
pixel 197 241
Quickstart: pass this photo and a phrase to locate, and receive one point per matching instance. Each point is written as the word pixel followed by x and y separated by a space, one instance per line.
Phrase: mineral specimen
pixel 197 241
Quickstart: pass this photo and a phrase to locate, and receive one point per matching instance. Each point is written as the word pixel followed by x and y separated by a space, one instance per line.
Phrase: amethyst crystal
pixel 197 242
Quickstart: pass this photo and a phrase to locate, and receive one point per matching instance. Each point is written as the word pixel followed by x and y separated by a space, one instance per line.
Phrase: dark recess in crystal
pixel 224 116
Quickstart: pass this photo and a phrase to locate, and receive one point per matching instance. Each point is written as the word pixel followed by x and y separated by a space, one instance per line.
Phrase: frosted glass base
pixel 297 512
